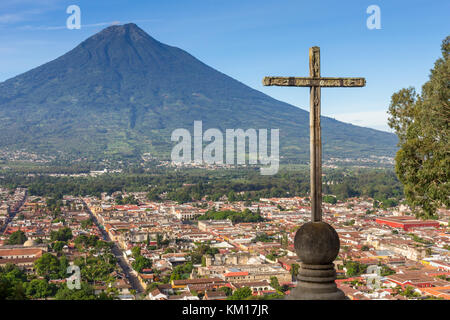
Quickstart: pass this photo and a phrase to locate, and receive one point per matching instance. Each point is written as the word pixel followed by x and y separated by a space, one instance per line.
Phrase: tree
pixel 153 195
pixel 86 292
pixel 241 294
pixel 202 249
pixel 17 237
pixel 141 263
pixel 226 290
pixel 96 268
pixel 85 224
pixel 409 292
pixel 294 270
pixel 231 196
pixel 58 246
pixel 421 124
pixel 159 239
pixel 135 252
pixel 49 266
pixel 90 241
pixel 386 271
pixel 40 288
pixel 63 234
pixel 349 223
pixel 275 284
pixel 12 283
pixel 355 268
pixel 203 261
pixel 182 271
pixel 329 199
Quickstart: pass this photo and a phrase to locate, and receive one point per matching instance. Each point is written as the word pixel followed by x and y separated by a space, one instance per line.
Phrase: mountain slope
pixel 121 92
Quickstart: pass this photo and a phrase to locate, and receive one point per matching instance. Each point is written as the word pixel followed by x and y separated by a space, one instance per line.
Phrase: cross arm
pixel 314 82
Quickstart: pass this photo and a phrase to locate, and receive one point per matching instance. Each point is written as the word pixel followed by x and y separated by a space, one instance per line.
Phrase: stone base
pixel 316 282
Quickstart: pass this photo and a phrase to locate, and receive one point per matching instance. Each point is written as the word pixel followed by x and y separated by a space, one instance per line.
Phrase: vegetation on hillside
pixel 235 185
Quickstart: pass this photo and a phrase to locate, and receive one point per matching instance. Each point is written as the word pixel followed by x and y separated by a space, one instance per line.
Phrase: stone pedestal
pixel 317 245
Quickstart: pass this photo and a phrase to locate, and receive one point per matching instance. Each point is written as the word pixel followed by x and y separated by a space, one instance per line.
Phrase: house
pixel 438 292
pixel 22 256
pixel 122 286
pixel 406 223
pixel 166 289
pixel 157 295
pixel 215 295
pixel 411 278
pixel 183 296
pixel 182 284
pixel 258 287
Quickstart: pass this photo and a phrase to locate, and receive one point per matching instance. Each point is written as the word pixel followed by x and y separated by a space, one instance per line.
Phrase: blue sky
pixel 249 39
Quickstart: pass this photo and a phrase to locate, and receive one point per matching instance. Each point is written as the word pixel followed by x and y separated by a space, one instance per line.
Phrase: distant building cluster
pixel 195 259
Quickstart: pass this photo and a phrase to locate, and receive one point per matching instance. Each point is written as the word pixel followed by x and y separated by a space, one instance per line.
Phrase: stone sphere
pixel 316 243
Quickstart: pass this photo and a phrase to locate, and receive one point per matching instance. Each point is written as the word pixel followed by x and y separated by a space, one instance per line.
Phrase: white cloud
pixel 371 119
pixel 11 17
pixel 90 25
pixel 24 15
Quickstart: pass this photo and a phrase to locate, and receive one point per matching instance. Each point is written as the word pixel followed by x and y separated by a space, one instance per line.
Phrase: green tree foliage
pixel 419 239
pixel 350 222
pixel 355 268
pixel 63 234
pixel 182 271
pixel 294 269
pixel 386 271
pixel 126 200
pixel 85 224
pixel 50 267
pixel 39 289
pixel 58 245
pixel 235 217
pixel 135 252
pixel 227 290
pixel 96 268
pixel 86 292
pixel 272 296
pixel 141 263
pixel 159 240
pixel 17 237
pixel 408 292
pixel 241 294
pixel 153 195
pixel 231 196
pixel 262 237
pixel 200 250
pixel 248 185
pixel 11 283
pixel 88 241
pixel 421 123
pixel 275 284
pixel 329 199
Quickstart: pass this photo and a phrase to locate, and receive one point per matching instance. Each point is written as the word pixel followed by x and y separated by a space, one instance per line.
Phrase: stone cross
pixel 315 82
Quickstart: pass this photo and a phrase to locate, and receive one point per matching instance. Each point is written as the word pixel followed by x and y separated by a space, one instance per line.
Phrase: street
pixel 127 269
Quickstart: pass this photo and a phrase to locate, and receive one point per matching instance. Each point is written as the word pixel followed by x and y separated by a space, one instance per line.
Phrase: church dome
pixel 29 243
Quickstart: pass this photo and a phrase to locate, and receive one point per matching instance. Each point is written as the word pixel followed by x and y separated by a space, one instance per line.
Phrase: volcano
pixel 121 93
